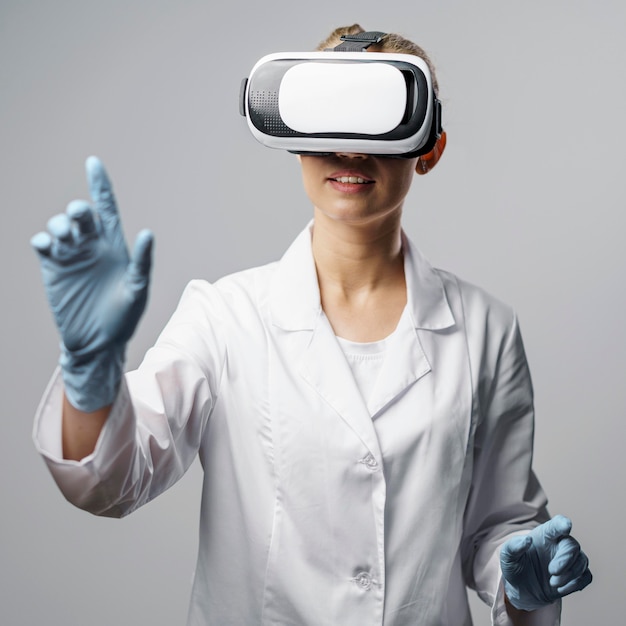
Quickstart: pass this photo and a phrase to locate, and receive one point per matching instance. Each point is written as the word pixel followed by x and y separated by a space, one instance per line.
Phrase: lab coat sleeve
pixel 505 496
pixel 157 421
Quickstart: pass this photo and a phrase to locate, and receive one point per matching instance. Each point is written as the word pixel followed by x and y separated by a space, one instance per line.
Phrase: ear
pixel 427 161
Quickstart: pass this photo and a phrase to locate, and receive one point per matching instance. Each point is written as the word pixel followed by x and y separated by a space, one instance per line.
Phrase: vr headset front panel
pixel 352 88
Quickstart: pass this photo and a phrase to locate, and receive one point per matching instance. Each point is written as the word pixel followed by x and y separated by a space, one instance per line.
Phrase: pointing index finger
pixel 100 189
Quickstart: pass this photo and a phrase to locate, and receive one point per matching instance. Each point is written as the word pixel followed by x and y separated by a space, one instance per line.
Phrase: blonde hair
pixel 391 42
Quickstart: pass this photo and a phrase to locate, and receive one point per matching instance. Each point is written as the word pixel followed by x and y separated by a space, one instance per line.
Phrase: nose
pixel 351 155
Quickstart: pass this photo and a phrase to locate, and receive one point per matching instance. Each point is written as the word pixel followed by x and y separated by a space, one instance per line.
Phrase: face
pixel 357 188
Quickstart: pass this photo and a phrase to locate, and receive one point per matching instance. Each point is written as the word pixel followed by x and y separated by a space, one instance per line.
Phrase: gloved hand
pixel 96 292
pixel 543 566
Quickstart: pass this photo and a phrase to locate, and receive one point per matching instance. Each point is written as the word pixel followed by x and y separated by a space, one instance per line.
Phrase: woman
pixel 364 420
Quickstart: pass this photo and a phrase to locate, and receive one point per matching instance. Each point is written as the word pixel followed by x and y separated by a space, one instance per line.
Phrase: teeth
pixel 351 179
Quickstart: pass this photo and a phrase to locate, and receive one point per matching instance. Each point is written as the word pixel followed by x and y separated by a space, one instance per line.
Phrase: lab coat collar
pixel 426 296
pixel 295 297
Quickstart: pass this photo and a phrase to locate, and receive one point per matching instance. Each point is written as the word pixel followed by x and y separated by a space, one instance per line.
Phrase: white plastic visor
pixel 320 98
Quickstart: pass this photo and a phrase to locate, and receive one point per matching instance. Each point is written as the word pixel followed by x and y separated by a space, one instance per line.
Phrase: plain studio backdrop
pixel 528 202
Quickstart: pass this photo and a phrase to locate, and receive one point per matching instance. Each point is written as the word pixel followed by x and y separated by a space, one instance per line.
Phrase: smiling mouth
pixel 355 180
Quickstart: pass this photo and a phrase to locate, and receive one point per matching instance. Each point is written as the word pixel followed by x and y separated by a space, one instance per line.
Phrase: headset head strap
pixel 359 42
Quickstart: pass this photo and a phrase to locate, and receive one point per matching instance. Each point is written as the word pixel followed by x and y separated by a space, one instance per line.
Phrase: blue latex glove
pixel 543 566
pixel 96 291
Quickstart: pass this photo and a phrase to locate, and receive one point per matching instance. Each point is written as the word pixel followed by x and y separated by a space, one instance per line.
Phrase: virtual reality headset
pixel 343 100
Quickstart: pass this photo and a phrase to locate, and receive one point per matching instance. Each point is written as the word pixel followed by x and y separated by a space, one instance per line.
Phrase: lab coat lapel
pixel 427 310
pixel 326 369
pixel 295 306
pixel 404 364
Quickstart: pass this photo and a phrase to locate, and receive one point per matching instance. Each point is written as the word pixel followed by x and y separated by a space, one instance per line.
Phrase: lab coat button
pixel 363 580
pixel 370 462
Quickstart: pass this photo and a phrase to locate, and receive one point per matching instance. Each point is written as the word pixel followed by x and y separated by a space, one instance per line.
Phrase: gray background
pixel 527 202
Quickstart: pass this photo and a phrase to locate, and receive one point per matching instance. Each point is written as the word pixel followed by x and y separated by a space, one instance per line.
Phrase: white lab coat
pixel 318 509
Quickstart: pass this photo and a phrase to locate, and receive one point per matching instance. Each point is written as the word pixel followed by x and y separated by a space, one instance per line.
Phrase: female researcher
pixel 364 420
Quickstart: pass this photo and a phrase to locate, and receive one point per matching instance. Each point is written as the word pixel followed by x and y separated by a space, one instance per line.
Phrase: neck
pixel 360 271
pixel 357 258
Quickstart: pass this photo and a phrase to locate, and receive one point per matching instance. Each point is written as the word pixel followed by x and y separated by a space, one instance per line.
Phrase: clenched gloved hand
pixel 543 566
pixel 96 291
